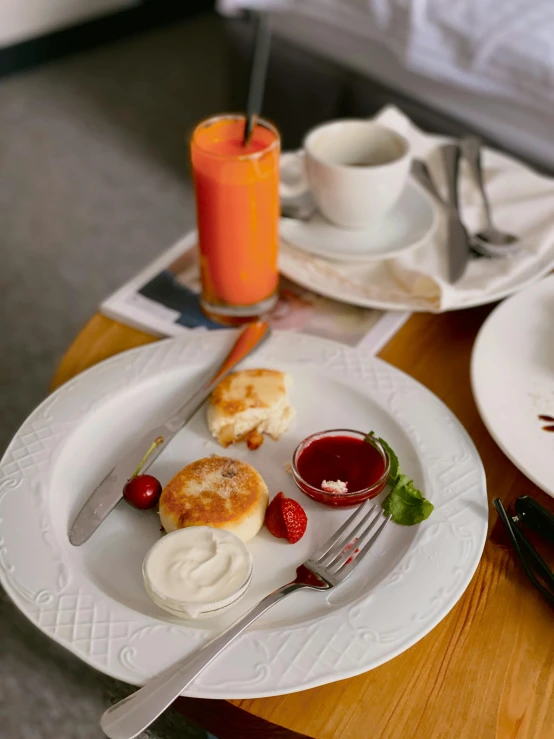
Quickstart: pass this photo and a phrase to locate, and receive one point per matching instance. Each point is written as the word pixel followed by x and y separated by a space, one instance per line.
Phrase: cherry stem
pixel 154 444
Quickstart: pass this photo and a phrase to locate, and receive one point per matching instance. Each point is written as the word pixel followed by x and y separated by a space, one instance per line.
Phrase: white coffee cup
pixel 356 171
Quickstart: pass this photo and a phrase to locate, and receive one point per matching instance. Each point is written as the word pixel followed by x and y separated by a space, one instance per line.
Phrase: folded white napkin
pixel 522 203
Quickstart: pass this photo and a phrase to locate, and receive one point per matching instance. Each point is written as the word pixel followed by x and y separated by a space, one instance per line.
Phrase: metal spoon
pixel 490 241
pixel 298 211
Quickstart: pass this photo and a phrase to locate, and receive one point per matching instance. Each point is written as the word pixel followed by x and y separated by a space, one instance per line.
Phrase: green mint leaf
pixel 405 503
pixel 394 469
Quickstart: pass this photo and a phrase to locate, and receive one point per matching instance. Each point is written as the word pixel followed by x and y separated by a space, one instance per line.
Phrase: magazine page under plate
pixel 164 300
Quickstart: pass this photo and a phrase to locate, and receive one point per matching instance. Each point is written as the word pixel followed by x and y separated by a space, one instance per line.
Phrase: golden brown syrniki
pixel 216 491
pixel 249 403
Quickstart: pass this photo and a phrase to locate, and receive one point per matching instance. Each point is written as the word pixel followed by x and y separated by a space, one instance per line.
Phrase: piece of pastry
pixel 249 403
pixel 216 491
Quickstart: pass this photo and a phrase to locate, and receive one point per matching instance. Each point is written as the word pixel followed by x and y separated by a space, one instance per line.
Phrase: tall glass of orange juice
pixel 237 203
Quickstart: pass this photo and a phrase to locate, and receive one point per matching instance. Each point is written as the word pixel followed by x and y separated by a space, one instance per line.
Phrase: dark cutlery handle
pixel 535 516
pixel 528 556
pixel 535 559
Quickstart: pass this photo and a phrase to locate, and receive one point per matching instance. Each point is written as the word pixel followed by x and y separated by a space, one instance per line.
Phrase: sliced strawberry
pixel 295 519
pixel 274 520
pixel 285 519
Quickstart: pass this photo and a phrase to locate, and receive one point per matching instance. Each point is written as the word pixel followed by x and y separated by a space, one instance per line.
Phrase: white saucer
pixel 412 221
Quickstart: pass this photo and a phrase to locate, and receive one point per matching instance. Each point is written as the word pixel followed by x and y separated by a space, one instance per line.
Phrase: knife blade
pixel 457 239
pixel 109 492
pixel 457 243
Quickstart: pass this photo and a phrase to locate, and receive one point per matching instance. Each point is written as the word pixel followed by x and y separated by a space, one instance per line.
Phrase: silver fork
pixel 328 567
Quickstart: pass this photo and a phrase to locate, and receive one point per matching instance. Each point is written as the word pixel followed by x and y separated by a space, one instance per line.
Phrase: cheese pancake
pixel 216 491
pixel 249 403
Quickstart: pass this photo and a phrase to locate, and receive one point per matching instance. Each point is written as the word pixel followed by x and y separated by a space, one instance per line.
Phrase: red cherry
pixel 142 491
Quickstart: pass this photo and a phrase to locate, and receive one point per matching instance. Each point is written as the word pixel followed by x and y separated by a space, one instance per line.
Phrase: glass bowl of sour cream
pixel 198 571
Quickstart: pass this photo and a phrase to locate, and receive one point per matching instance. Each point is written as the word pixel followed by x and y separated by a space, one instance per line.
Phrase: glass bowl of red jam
pixel 330 458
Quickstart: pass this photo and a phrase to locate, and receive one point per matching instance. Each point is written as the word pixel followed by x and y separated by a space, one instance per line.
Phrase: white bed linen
pixel 488 63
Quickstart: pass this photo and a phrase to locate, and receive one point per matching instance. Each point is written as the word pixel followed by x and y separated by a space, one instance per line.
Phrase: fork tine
pixel 336 551
pixel 338 534
pixel 344 567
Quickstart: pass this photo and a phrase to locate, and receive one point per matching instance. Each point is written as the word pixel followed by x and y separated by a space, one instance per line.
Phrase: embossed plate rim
pixel 349 640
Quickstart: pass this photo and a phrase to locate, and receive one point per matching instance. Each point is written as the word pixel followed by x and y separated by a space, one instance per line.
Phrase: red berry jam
pixel 340 455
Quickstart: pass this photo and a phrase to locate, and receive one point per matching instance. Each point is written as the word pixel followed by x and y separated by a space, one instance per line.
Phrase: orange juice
pixel 237 203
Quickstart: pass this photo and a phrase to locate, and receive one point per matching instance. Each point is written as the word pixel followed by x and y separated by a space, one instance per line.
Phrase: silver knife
pixel 421 173
pixel 457 240
pixel 110 491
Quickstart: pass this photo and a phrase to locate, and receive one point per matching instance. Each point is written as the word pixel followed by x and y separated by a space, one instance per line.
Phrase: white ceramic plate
pixel 412 221
pixel 379 290
pixel 512 375
pixel 91 599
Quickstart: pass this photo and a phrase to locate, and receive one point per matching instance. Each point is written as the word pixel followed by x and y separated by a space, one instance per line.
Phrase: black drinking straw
pixel 258 71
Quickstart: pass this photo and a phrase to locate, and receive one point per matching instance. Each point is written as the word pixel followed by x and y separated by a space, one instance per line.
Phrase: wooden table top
pixel 487 670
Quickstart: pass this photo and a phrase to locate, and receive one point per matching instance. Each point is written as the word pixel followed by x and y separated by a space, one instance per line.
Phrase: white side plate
pixel 371 283
pixel 512 376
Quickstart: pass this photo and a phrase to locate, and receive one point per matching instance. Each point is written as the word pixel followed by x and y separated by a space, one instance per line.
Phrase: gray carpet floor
pixel 94 183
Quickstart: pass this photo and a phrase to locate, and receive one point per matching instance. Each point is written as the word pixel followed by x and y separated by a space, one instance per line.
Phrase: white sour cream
pixel 197 570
